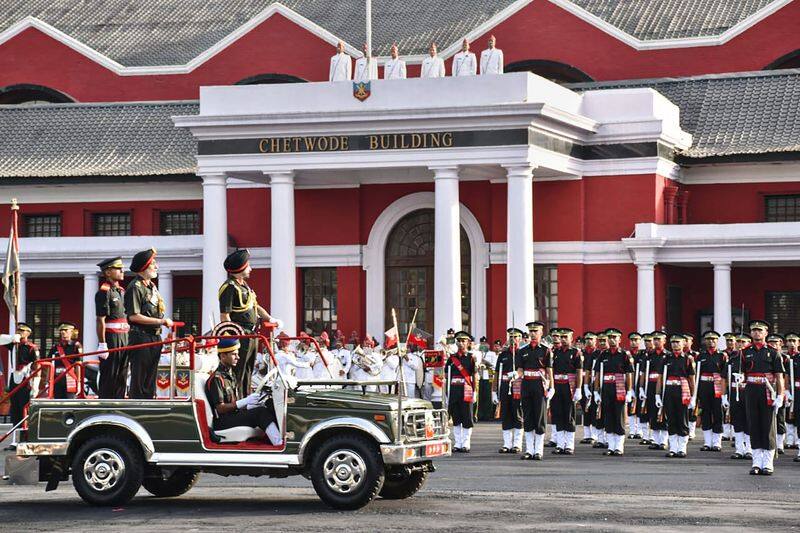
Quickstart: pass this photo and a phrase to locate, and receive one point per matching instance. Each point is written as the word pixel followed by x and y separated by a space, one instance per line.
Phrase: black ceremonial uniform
pixel 616 364
pixel 641 359
pixel 221 387
pixel 510 410
pixel 657 359
pixel 692 415
pixel 459 405
pixel 27 353
pixel 142 297
pixel 711 366
pixel 534 362
pixel 736 397
pixel 588 404
pixel 66 386
pixel 677 395
pixel 109 302
pixel 238 300
pixel 794 359
pixel 566 363
pixel 761 364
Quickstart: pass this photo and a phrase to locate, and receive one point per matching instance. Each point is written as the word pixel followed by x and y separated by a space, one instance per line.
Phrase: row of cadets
pixel 464 63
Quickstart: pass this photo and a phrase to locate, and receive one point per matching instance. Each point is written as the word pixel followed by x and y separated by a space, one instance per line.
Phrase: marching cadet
pixel 736 397
pixel 25 355
pixel 112 330
pixel 649 390
pixel 433 65
pixel 492 58
pixel 394 68
pixel 792 341
pixel 763 370
pixel 602 346
pixel 488 362
pixel 589 407
pixel 614 391
pixel 730 347
pixel 711 366
pixel 567 379
pixel 464 62
pixel 534 364
pixel 641 411
pixel 637 356
pixel 678 394
pixel 689 350
pixel 144 308
pixel 341 67
pixel 462 369
pixel 775 342
pixel 366 67
pixel 509 395
pixel 238 304
pixel 67 386
pixel 555 344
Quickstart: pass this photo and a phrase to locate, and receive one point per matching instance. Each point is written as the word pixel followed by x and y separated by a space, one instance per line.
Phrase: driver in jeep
pixel 230 411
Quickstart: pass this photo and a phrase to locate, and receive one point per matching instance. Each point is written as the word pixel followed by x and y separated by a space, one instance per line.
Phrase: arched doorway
pixel 409 260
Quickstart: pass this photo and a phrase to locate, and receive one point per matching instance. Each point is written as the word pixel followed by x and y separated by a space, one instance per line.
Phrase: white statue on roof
pixel 492 58
pixel 464 62
pixel 341 66
pixel 433 65
pixel 394 68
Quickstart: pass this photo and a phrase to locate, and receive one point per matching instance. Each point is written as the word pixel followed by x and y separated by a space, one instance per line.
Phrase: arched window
pixel 28 94
pixel 790 60
pixel 409 272
pixel 266 79
pixel 552 70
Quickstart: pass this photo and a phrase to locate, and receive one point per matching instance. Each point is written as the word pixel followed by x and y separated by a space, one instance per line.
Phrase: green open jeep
pixel 353 445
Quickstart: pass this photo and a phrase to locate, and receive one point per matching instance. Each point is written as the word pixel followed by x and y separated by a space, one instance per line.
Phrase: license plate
pixel 432 450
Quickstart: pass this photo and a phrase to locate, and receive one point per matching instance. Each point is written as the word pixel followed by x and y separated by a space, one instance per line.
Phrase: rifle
pixel 632 407
pixel 663 392
pixel 728 410
pixel 646 382
pixel 599 404
pixel 790 414
pixel 499 383
pixel 696 387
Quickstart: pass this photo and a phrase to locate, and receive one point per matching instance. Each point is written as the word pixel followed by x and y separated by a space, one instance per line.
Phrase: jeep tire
pixel 403 487
pixel 347 471
pixel 179 482
pixel 107 470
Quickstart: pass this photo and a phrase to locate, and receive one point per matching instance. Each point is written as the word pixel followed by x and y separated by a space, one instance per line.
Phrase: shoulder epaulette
pixel 105 286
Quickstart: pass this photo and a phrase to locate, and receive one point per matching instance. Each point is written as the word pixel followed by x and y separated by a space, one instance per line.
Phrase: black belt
pixel 146 331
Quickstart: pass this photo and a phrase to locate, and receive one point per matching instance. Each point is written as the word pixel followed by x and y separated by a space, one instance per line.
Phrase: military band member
pixel 341 68
pixel 763 370
pixel 24 357
pixel 568 380
pixel 711 365
pixel 394 68
pixel 366 67
pixel 228 408
pixel 727 426
pixel 510 394
pixel 736 397
pixel 464 62
pixel 793 374
pixel 238 303
pixel 601 440
pixel 462 368
pixel 112 330
pixel 492 58
pixel 589 407
pixel 649 390
pixel 144 308
pixel 615 391
pixel 287 359
pixel 534 364
pixel 343 355
pixel 637 355
pixel 775 342
pixel 433 65
pixel 66 386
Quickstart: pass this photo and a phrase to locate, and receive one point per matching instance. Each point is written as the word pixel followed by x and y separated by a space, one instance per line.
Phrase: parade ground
pixel 479 491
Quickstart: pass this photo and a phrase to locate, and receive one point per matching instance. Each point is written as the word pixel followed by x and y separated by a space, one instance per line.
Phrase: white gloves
pixel 725 402
pixel 577 396
pixel 16 338
pixel 596 397
pixel 452 349
pixel 586 391
pixel 278 323
pixel 102 347
pixel 550 393
pixel 777 403
pixel 495 399
pixel 248 401
pixel 642 395
pixel 691 404
pixel 659 403
pixel 629 397
pixel 788 395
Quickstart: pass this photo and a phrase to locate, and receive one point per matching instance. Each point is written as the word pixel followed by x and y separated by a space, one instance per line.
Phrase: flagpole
pixel 15 244
pixel 369 30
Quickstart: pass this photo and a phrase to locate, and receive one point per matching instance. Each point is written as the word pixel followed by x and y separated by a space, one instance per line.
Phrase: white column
pixel 91 283
pixel 23 296
pixel 283 275
pixel 165 288
pixel 447 252
pixel 519 241
pixel 215 243
pixel 722 299
pixel 645 296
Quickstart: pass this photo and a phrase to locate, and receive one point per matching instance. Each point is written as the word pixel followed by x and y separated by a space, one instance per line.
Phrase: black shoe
pixel 670 454
pixel 766 471
pixel 748 456
pixel 755 471
pixel 503 450
pixel 796 459
pixel 557 451
pixel 608 453
pixel 737 456
pixel 792 447
pixel 550 444
pixel 780 451
pixel 681 455
pixel 597 445
pixel 10 448
pixel 662 447
pixel 464 450
pixel 705 448
pixel 456 450
pixel 716 449
pixel 646 442
pixel 654 446
pixel 537 457
pixel 725 439
pixel 526 456
pixel 568 452
pixel 514 450
pixel 587 440
pixel 631 436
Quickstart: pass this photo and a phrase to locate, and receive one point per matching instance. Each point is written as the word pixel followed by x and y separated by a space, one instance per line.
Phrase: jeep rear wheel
pixel 107 470
pixel 403 487
pixel 179 482
pixel 347 471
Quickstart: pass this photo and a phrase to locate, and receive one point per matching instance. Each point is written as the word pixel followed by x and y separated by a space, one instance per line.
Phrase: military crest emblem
pixel 362 90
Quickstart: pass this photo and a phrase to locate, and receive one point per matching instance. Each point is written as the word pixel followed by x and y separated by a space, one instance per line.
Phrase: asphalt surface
pixel 479 491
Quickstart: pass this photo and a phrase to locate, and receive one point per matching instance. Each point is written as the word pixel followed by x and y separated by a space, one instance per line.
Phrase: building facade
pixel 670 199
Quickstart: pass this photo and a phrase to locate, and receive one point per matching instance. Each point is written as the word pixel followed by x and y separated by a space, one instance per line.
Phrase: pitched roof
pixel 120 139
pixel 731 114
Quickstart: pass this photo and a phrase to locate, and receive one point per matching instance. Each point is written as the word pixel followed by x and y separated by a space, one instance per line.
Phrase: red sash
pixel 468 390
pixel 72 378
pixel 686 397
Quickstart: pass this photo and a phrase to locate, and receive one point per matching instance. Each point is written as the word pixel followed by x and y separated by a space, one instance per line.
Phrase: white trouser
pixel 646 433
pixel 551 429
pixel 569 440
pixel 738 440
pixel 780 440
pixel 539 444
pixel 716 440
pixel 616 442
pixel 727 430
pixel 274 434
pixel 466 437
pixel 662 436
pixel 673 446
pixel 763 458
pixel 747 447
pixel 707 437
pixel 692 429
pixel 530 442
pixel 683 442
pixel 633 425
pixel 518 438
pixel 791 434
pixel 508 436
pixel 457 436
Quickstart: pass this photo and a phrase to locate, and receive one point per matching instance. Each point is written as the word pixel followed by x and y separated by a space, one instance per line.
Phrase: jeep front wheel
pixel 403 486
pixel 107 470
pixel 347 471
pixel 179 482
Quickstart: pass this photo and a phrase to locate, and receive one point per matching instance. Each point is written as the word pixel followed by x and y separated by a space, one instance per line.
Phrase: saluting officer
pixel 615 391
pixel 462 369
pixel 649 389
pixel 64 346
pixel 144 308
pixel 112 329
pixel 238 303
pixel 534 364
pixel 711 365
pixel 510 394
pixel 763 370
pixel 568 378
pixel 678 395
pixel 26 353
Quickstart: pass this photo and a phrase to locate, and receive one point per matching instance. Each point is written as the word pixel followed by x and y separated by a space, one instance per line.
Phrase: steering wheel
pixel 267 379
